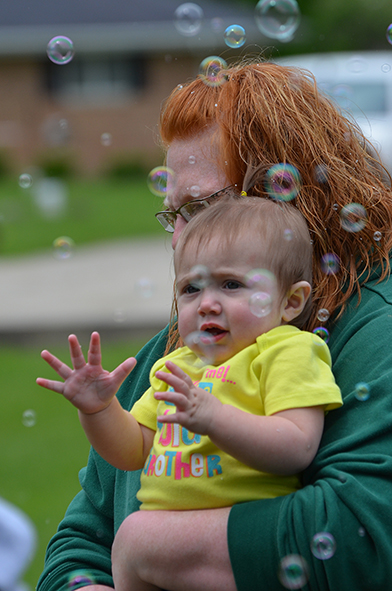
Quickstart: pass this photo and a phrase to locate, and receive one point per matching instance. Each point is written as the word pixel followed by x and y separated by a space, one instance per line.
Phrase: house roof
pixel 94 26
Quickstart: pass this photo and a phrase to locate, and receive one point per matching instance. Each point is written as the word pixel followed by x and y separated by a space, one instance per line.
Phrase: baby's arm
pixel 284 443
pixel 112 431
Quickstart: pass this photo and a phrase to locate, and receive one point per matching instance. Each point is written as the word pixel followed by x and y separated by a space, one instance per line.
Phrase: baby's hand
pixel 88 386
pixel 196 407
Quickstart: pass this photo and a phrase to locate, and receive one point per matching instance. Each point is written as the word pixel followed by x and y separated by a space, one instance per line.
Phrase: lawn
pixel 42 456
pixel 83 210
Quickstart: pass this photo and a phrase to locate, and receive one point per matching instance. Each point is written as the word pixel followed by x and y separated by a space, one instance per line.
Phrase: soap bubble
pixel 330 263
pixel 145 287
pixel 106 139
pixel 261 280
pixel 362 532
pixel 191 159
pixel 277 19
pixel 362 391
pixel 288 234
pixel 195 191
pixel 321 173
pixel 212 71
pixel 323 315
pixel 386 68
pixel 234 36
pixel 260 304
pixel 200 277
pixel 160 179
pixel 377 236
pixel 353 217
pixel 60 50
pixel 282 182
pixel 293 571
pixel 188 19
pixel 322 333
pixel 323 546
pixel 389 34
pixel 80 578
pixel 25 181
pixel 202 343
pixel 63 247
pixel 29 418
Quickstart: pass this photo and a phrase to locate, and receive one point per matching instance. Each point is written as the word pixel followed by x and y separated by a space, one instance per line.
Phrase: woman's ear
pixel 295 300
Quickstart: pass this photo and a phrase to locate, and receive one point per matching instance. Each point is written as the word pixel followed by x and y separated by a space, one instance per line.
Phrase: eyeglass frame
pixel 168 214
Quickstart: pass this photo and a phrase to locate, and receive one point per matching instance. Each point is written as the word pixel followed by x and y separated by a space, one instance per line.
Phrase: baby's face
pixel 217 297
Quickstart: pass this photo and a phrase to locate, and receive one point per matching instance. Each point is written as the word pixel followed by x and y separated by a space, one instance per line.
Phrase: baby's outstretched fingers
pixel 59 367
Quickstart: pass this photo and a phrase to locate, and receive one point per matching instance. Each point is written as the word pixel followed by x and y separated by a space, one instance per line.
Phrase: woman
pixel 264 113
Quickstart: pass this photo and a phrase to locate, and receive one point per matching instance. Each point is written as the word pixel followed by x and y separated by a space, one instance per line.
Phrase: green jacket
pixel 347 489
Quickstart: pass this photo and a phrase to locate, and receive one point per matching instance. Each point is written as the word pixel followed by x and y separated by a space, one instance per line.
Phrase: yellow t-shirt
pixel 285 368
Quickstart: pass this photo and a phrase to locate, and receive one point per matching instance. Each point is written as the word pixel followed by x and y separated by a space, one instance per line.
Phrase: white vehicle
pixel 361 83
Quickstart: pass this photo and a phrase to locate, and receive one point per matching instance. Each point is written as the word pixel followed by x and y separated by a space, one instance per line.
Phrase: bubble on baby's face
pixel 234 36
pixel 353 217
pixel 260 304
pixel 63 248
pixel 261 280
pixel 323 545
pixel 160 180
pixel 362 391
pixel 60 50
pixel 202 344
pixel 323 315
pixel 106 139
pixel 188 19
pixel 29 418
pixel 212 71
pixel 282 182
pixel 200 277
pixel 322 333
pixel 277 19
pixel 80 578
pixel 144 287
pixel 25 180
pixel 389 34
pixel 330 263
pixel 293 571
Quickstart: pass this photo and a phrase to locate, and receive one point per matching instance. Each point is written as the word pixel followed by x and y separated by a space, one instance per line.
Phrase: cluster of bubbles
pixel 362 391
pixel 323 545
pixel 264 286
pixel 293 571
pixel 212 71
pixel 63 247
pixel 282 182
pixel 29 418
pixel 60 50
pixel 80 578
pixel 160 179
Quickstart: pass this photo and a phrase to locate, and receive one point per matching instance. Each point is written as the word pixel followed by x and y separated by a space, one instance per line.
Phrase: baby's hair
pixel 276 225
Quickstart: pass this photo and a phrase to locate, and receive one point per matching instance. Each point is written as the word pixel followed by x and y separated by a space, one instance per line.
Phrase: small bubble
pixel 145 287
pixel 288 234
pixel 330 263
pixel 389 34
pixel 234 36
pixel 362 391
pixel 216 25
pixel 119 316
pixel 63 247
pixel 282 182
pixel 212 71
pixel 160 180
pixel 80 578
pixel 188 19
pixel 335 206
pixel 60 50
pixel 277 19
pixel 377 236
pixel 29 418
pixel 260 304
pixel 191 159
pixel 342 477
pixel 386 68
pixel 322 333
pixel 25 181
pixel 362 532
pixel 195 191
pixel 106 139
pixel 293 571
pixel 321 173
pixel 353 217
pixel 200 277
pixel 323 315
pixel 323 546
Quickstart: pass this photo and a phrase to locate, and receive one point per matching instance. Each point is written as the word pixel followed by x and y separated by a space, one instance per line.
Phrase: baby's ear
pixel 295 300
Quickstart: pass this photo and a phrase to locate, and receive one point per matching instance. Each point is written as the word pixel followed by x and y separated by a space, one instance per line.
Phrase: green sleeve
pixel 348 488
pixel 84 537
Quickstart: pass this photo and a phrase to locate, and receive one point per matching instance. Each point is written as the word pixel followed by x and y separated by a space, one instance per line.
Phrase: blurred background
pixel 81 86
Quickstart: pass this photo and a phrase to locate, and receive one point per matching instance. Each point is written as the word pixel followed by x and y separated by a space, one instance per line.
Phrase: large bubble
pixel 188 19
pixel 234 36
pixel 323 545
pixel 293 571
pixel 277 19
pixel 60 50
pixel 63 247
pixel 282 182
pixel 160 179
pixel 212 71
pixel 353 217
pixel 202 344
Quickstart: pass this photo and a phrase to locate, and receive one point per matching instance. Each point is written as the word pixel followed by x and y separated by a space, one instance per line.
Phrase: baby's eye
pixel 232 284
pixel 189 289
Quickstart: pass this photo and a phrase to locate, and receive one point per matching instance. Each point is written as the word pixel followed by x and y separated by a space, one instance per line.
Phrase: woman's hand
pixel 87 386
pixel 196 408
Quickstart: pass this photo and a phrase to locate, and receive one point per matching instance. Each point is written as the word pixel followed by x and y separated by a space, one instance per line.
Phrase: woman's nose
pixel 209 303
pixel 178 228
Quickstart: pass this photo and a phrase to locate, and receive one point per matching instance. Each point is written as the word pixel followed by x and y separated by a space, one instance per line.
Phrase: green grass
pixel 40 463
pixel 96 210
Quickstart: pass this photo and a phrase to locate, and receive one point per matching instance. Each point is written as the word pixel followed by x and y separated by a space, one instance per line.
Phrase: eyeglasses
pixel 168 218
